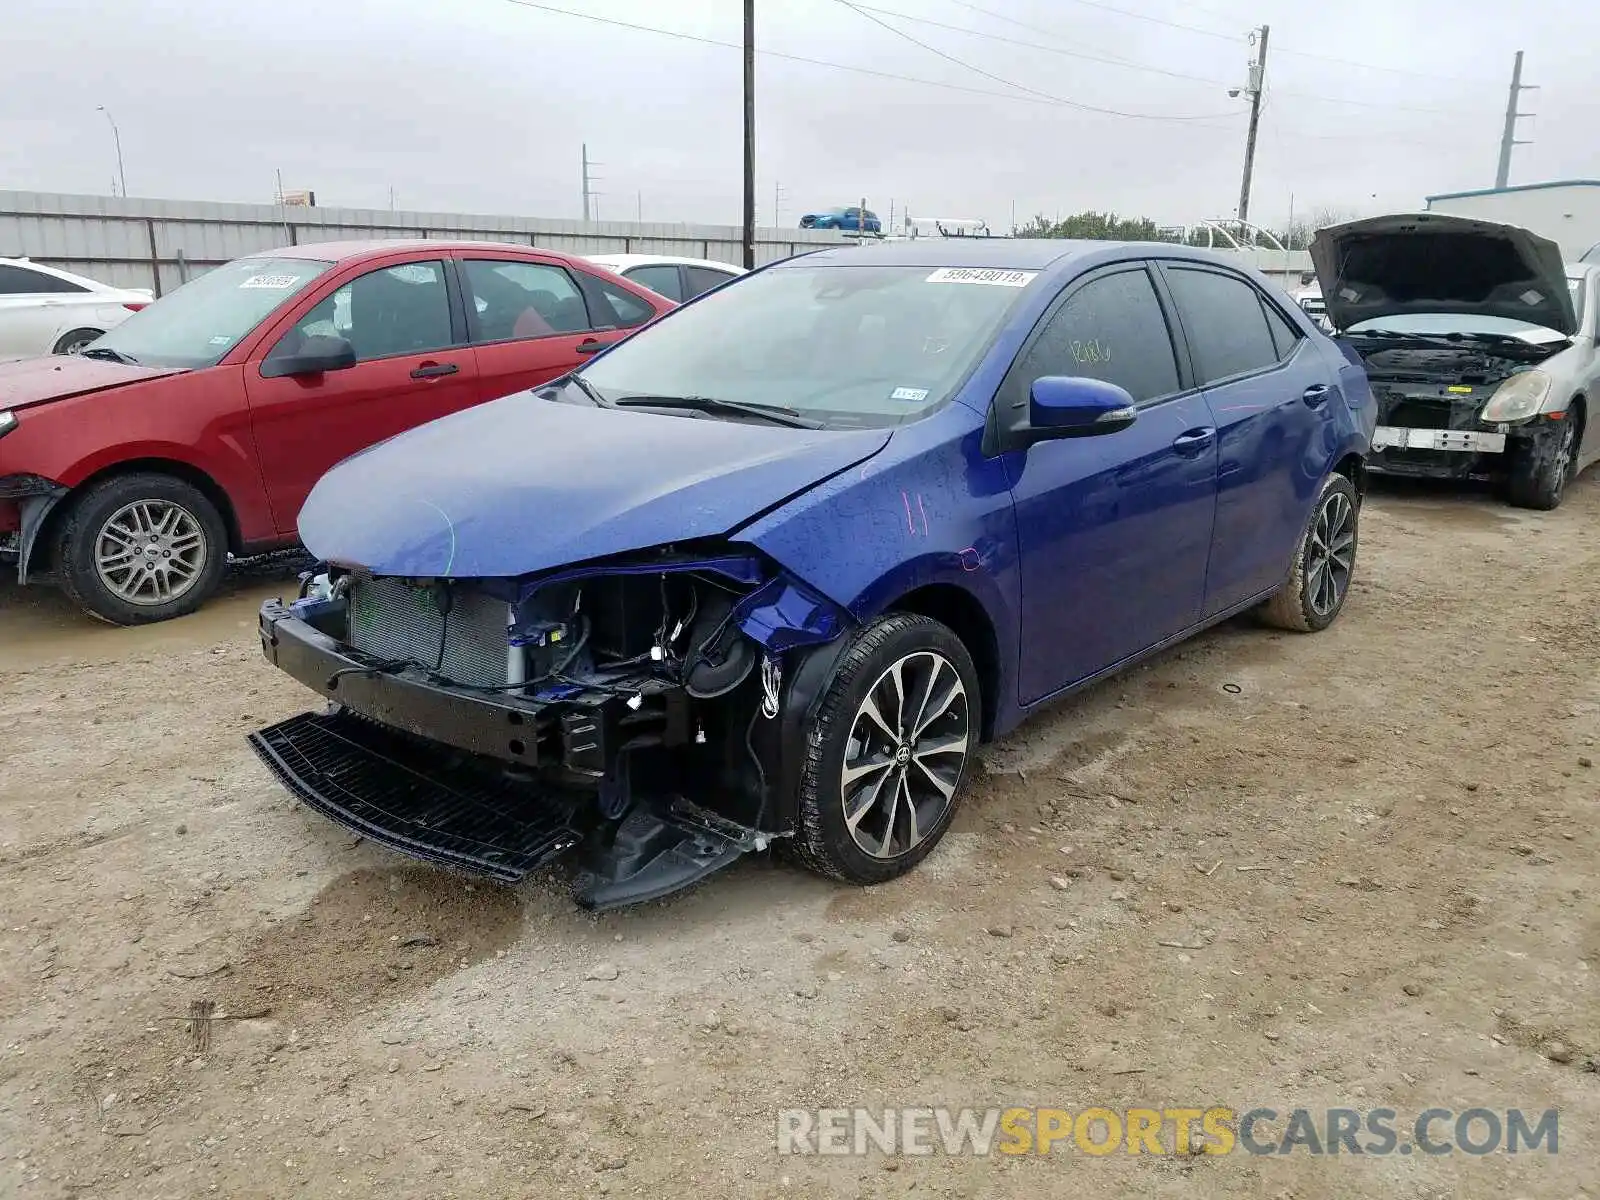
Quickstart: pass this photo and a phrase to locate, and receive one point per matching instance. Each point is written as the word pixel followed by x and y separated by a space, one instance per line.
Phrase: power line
pixel 900 33
pixel 1135 66
pixel 997 37
pixel 1121 12
pixel 1038 98
pixel 1210 33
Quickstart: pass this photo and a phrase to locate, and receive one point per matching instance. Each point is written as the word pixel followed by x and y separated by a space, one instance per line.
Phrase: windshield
pixel 206 317
pixel 847 346
pixel 1440 324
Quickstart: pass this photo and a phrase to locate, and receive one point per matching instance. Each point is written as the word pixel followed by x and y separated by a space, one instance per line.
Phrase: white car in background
pixel 677 279
pixel 47 311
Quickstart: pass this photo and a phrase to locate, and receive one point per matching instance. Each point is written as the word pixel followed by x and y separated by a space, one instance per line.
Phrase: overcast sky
pixel 481 105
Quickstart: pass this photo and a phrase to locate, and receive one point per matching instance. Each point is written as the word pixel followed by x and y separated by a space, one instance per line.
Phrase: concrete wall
pixel 160 243
pixel 1567 213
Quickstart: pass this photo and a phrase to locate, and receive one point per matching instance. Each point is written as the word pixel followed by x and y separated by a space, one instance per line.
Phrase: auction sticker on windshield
pixel 276 283
pixel 989 275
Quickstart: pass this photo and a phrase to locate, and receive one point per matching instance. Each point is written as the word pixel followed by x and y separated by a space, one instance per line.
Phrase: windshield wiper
pixel 589 390
pixel 710 404
pixel 110 355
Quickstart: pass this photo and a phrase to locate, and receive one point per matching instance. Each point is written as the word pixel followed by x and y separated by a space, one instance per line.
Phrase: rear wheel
pixel 1324 563
pixel 1541 467
pixel 74 342
pixel 889 751
pixel 135 549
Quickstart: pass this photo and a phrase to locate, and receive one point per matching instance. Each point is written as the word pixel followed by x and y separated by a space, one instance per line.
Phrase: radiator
pixel 392 620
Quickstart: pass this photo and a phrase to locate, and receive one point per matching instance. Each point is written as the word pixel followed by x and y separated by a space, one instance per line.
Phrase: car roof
pixel 1017 254
pixel 344 251
pixel 644 260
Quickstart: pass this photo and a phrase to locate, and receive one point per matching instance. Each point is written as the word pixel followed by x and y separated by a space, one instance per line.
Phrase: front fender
pixel 929 510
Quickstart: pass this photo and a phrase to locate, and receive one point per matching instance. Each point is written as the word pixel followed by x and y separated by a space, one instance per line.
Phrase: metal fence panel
pixel 160 244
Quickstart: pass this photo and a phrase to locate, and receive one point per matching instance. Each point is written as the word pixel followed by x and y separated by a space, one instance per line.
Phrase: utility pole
pixel 1508 138
pixel 1258 79
pixel 641 207
pixel 591 198
pixel 777 203
pixel 749 135
pixel 116 138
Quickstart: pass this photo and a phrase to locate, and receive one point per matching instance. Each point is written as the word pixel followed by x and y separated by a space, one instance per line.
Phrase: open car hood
pixel 1433 263
pixel 524 484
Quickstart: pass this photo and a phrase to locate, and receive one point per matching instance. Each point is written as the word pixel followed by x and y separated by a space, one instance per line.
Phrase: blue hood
pixel 522 484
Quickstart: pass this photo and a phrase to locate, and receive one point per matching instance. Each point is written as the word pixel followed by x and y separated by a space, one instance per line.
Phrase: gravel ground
pixel 1354 869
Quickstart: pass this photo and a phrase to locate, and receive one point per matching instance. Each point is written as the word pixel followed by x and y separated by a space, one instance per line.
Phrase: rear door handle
pixel 1193 441
pixel 1315 394
pixel 590 346
pixel 433 370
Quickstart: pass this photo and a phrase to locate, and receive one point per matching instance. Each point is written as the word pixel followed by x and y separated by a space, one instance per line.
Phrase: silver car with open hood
pixel 1480 345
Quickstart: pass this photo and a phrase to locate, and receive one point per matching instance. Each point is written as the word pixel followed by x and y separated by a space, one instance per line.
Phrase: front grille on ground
pixel 412 798
pixel 393 620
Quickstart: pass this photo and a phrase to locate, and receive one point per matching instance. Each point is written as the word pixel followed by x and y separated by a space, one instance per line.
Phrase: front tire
pixel 888 753
pixel 135 549
pixel 75 341
pixel 1538 475
pixel 1324 563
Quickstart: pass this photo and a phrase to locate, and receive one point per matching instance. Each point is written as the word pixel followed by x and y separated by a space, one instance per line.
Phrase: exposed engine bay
pixel 1437 400
pixel 493 724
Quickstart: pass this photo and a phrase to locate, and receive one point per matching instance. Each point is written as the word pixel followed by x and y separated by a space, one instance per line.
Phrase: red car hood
pixel 29 381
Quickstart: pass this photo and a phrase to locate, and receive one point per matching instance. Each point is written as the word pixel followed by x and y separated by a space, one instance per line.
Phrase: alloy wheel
pixel 150 552
pixel 1331 555
pixel 905 754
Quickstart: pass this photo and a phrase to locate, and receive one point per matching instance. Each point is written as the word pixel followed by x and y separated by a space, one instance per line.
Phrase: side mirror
pixel 313 356
pixel 1061 406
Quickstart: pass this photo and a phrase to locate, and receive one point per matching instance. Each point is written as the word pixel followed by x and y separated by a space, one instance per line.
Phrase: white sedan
pixel 47 311
pixel 677 279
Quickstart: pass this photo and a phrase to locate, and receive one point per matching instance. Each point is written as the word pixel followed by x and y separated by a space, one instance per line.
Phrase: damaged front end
pixel 1473 410
pixel 649 711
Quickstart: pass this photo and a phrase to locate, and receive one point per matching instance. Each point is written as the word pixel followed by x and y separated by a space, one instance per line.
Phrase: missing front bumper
pixel 403 794
pixel 450 777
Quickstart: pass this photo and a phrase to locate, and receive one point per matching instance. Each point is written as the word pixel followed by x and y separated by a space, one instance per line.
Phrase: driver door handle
pixel 590 346
pixel 434 370
pixel 1315 394
pixel 1193 441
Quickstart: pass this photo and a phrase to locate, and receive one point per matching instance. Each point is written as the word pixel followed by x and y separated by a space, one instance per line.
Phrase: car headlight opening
pixel 1518 398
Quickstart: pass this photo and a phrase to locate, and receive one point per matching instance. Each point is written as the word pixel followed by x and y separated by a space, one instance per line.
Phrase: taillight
pixel 135 305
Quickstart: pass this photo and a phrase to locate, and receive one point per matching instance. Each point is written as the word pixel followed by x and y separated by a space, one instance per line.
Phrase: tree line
pixel 1110 227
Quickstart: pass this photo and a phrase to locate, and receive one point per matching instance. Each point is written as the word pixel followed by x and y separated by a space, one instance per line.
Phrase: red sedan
pixel 197 427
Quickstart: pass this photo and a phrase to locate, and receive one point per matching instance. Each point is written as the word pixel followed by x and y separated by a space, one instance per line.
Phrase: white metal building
pixel 1567 211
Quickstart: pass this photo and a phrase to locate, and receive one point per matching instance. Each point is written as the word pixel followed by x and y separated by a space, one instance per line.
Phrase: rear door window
pixel 703 279
pixel 1285 337
pixel 660 278
pixel 511 300
pixel 621 309
pixel 1225 323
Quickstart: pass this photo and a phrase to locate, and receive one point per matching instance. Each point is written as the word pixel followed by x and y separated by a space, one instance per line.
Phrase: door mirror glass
pixel 1077 406
pixel 312 356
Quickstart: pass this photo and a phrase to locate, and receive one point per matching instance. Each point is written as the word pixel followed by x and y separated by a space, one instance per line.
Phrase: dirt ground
pixel 1352 869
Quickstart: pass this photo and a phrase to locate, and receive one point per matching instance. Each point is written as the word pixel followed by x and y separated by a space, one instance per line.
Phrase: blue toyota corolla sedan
pixel 768 571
